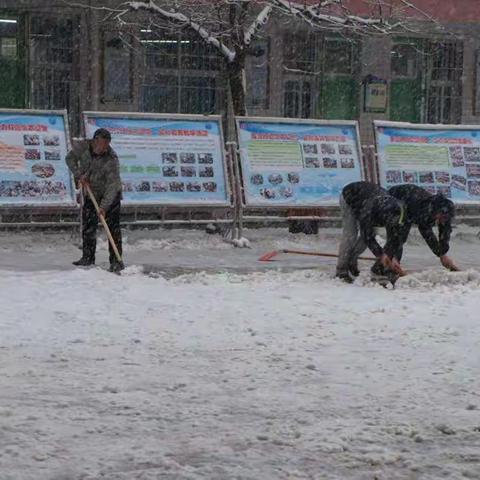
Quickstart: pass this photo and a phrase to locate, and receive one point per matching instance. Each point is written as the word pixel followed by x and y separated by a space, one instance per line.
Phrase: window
pixel 319 76
pixel 404 58
pixel 180 75
pixel 444 82
pixel 197 55
pixel 8 37
pixel 197 94
pixel 161 53
pixel 54 83
pixel 12 64
pixel 427 81
pixel 161 96
pixel 258 75
pixel 297 100
pixel 117 68
pixel 8 47
pixel 339 56
pixel 300 52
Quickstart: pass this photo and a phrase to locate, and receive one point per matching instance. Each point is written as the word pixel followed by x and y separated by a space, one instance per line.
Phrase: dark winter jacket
pixel 102 171
pixel 420 209
pixel 373 207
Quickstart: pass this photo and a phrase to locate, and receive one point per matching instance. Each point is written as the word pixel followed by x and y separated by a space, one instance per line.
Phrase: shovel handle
pixel 104 223
pixel 321 254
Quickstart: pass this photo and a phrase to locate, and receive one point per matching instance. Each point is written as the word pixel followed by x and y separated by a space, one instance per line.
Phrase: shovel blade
pixel 267 257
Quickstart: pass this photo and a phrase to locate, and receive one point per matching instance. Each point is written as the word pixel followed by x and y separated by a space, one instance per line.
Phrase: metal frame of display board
pixel 418 126
pixel 166 116
pixel 299 121
pixel 243 204
pixel 41 208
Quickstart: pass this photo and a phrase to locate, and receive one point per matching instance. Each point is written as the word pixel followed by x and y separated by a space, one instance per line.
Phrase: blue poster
pixel 174 161
pixel 297 163
pixel 33 146
pixel 442 160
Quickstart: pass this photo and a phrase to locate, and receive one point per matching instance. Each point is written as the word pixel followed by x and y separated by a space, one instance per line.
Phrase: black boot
pixel 116 266
pixel 353 269
pixel 84 262
pixel 345 277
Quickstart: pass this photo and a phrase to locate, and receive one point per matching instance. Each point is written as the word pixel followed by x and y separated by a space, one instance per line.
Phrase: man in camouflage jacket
pixel 95 163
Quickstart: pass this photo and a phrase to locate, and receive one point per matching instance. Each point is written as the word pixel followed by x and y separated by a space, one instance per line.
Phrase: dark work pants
pixel 90 224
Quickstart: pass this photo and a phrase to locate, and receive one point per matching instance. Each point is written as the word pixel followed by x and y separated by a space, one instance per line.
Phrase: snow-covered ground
pixel 216 366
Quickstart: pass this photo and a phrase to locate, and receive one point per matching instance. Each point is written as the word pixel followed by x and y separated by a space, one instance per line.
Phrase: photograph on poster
pixel 143 186
pixel 170 171
pixel 328 149
pixel 32 154
pixel 187 158
pixel 177 186
pixel 474 188
pixel 159 187
pixel 312 162
pixel 410 177
pixel 31 139
pixel 275 178
pixel 194 187
pixel 206 172
pixel 345 150
pixel 426 177
pixel 293 177
pixel 394 176
pixel 472 154
pixel 205 158
pixel 209 186
pixel 256 179
pixel 330 163
pixel 442 177
pixel 51 141
pixel 459 182
pixel 188 171
pixel 347 163
pixel 169 158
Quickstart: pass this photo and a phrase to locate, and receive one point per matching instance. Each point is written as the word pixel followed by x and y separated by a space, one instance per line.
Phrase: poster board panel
pixel 292 162
pixel 33 146
pixel 440 158
pixel 167 159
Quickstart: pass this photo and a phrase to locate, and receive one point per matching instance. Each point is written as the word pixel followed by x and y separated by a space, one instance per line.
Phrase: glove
pixel 447 262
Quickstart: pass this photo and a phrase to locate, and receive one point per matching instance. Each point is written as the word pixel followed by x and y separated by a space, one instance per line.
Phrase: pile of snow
pixel 241 242
pixel 440 277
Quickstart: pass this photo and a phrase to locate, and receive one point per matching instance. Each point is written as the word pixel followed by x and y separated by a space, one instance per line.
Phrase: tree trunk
pixel 235 72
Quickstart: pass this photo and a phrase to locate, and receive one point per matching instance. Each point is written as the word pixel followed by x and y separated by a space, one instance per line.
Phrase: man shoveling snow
pixel 366 206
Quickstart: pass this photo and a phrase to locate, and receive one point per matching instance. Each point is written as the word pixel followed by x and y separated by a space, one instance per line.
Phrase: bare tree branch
pixel 183 20
pixel 259 22
pixel 231 26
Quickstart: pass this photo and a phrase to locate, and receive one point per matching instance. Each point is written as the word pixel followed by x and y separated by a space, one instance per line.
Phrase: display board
pixel 291 162
pixel 440 158
pixel 33 146
pixel 166 159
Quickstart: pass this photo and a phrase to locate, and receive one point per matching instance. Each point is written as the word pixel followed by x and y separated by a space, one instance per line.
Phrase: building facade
pixel 55 57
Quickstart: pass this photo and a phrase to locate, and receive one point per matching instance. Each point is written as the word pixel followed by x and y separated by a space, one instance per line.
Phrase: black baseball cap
pixel 102 133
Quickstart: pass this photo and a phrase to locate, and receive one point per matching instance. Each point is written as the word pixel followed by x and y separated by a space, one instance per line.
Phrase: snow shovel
pixel 267 257
pixel 105 226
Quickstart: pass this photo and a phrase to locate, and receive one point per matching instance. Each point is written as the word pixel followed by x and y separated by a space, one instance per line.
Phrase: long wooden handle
pixel 104 223
pixel 321 254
